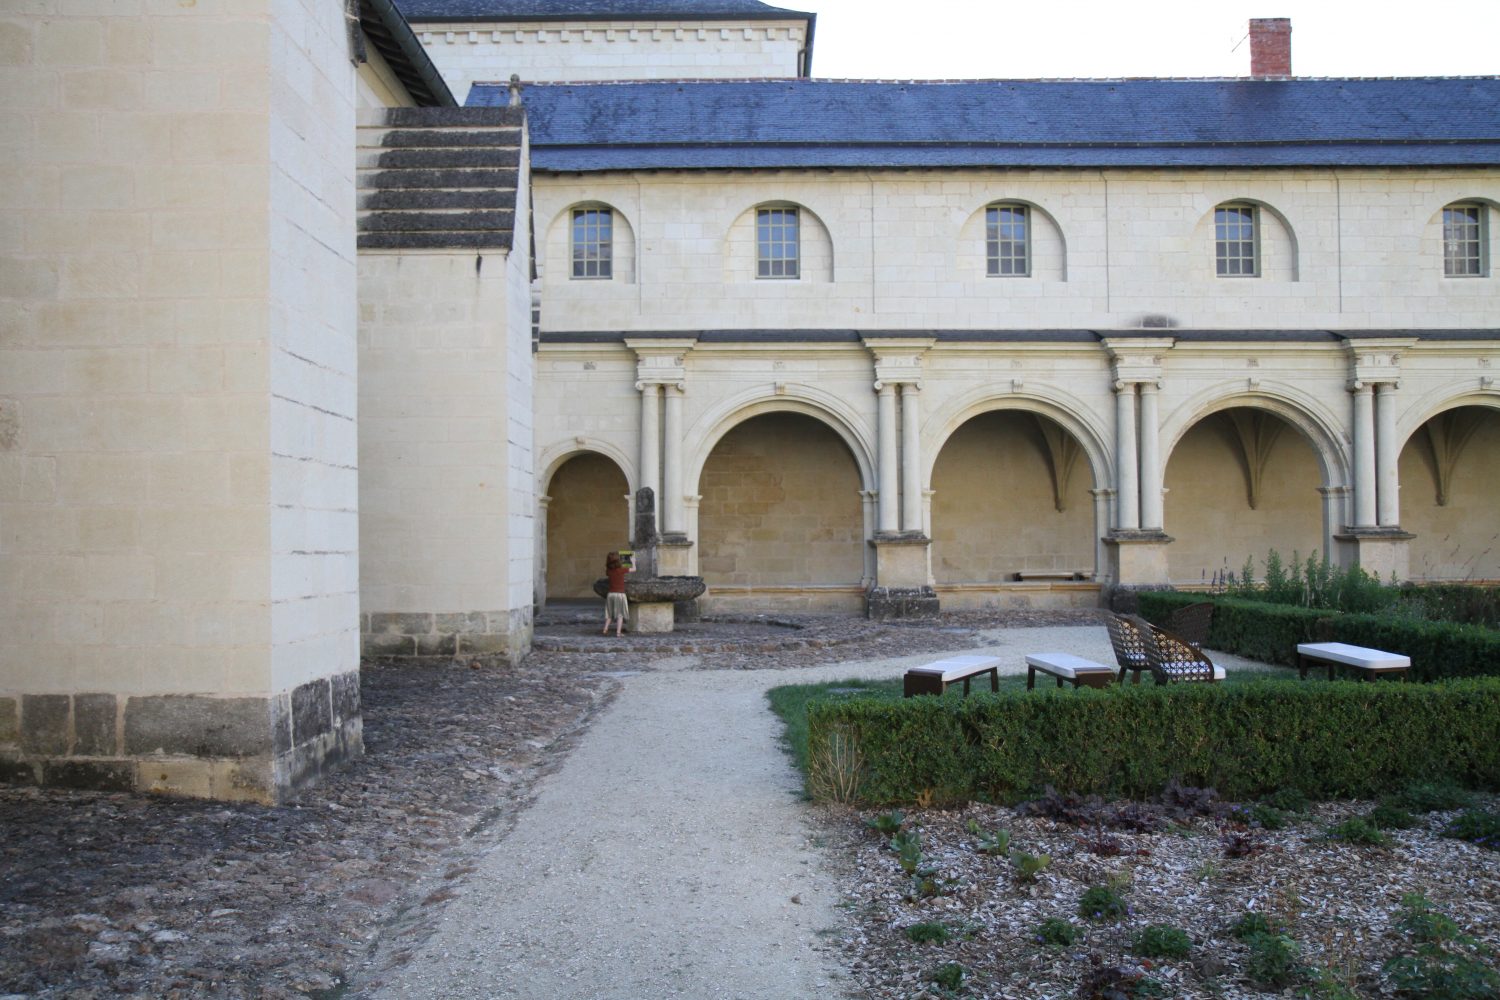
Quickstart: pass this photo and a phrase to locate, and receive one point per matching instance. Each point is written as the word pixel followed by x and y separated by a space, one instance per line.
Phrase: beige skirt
pixel 615 606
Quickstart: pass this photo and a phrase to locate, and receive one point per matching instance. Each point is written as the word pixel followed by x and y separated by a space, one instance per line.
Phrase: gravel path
pixel 670 855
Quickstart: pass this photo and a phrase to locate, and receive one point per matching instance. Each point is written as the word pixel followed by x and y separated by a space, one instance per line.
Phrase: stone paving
pixel 109 895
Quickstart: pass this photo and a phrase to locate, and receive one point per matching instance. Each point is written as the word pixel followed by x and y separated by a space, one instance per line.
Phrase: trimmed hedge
pixel 1330 740
pixel 1270 633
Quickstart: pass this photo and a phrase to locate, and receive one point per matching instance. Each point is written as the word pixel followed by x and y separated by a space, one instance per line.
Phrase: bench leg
pixel 1030 677
pixel 966 687
pixel 1059 682
pixel 995 680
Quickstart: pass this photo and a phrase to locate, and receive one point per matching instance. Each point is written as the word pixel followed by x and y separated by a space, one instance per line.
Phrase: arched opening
pixel 1011 496
pixel 1450 476
pixel 780 506
pixel 586 518
pixel 1240 483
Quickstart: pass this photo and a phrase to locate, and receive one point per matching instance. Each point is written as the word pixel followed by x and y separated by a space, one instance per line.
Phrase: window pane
pixel 1463 241
pixel 1007 248
pixel 1235 245
pixel 593 249
pixel 776 243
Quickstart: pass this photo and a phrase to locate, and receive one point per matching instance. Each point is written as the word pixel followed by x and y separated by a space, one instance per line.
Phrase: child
pixel 615 605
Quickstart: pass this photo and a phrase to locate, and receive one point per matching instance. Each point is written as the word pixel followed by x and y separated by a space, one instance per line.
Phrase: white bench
pixel 1370 663
pixel 1067 667
pixel 934 678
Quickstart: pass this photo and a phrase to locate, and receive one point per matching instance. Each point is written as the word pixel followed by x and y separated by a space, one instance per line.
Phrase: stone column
pixel 672 522
pixel 1151 492
pixel 886 429
pixel 1127 488
pixel 1101 530
pixel 650 436
pixel 539 577
pixel 1387 478
pixel 1364 457
pixel 911 461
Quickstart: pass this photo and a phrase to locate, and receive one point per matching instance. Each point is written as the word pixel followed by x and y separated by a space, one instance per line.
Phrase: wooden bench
pixel 934 678
pixel 1067 667
pixel 1370 663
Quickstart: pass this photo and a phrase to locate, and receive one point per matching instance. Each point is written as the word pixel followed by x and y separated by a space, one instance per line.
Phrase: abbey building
pixel 329 331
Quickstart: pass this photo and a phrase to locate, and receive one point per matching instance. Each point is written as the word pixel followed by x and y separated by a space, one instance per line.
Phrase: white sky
pixel 880 39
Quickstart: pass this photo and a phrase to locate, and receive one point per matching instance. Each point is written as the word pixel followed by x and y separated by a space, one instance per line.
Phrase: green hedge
pixel 1270 633
pixel 1331 740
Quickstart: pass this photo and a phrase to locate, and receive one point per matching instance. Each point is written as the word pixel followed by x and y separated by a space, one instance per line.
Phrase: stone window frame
pixel 778 243
pixel 1465 240
pixel 591 242
pixel 1006 255
pixel 1237 240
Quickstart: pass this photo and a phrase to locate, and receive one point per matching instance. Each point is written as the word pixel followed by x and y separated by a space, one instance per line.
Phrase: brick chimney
pixel 1270 46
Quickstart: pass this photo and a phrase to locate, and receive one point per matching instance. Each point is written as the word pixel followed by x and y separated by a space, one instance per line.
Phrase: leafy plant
pixel 1433 796
pixel 1241 845
pixel 1056 931
pixel 1358 830
pixel 1109 982
pixel 1029 866
pixel 908 847
pixel 886 824
pixel 1275 960
pixel 929 932
pixel 1446 964
pixel 1162 941
pixel 1287 799
pixel 1267 817
pixel 992 842
pixel 1476 826
pixel 1102 844
pixel 1102 903
pixel 949 976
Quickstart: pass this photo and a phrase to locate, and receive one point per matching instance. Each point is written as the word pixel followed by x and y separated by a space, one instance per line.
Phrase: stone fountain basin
pixel 656 589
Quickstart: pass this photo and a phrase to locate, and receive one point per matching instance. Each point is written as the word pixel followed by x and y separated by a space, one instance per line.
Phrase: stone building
pixel 296 357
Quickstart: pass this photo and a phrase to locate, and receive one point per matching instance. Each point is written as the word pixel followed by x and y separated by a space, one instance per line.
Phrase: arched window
pixel 593 243
pixel 1465 240
pixel 1237 241
pixel 1007 241
pixel 778 243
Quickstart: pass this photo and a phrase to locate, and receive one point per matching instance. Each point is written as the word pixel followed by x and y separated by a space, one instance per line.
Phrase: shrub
pixel 1289 799
pixel 1250 924
pixel 1267 817
pixel 1476 826
pixel 1057 931
pixel 1161 941
pixel 1102 903
pixel 1445 964
pixel 1245 740
pixel 1432 796
pixel 929 932
pixel 1390 817
pixel 948 976
pixel 1358 830
pixel 1275 960
pixel 886 824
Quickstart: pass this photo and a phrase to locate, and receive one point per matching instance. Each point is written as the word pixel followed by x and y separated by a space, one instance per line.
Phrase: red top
pixel 616 579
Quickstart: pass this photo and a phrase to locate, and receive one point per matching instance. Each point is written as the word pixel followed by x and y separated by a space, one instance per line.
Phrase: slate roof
pixel 597 10
pixel 1423 121
pixel 387 30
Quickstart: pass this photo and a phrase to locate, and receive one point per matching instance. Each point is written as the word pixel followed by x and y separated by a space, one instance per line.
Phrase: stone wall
pixel 601 50
pixel 177 563
pixel 447 492
pixel 1358 251
pixel 587 517
pixel 1455 541
pixel 781 506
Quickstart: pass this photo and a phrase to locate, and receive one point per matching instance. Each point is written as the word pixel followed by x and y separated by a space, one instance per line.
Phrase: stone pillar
pixel 650 437
pixel 1387 479
pixel 539 584
pixel 1101 530
pixel 672 523
pixel 1364 457
pixel 1151 479
pixel 886 429
pixel 911 460
pixel 1127 488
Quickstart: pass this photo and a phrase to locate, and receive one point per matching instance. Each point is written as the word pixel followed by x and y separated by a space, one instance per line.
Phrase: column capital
pixel 885 385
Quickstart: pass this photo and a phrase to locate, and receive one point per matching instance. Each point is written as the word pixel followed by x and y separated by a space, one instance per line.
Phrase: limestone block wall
pixel 177 558
pixel 1345 250
pixel 551 51
pixel 587 517
pixel 1454 542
